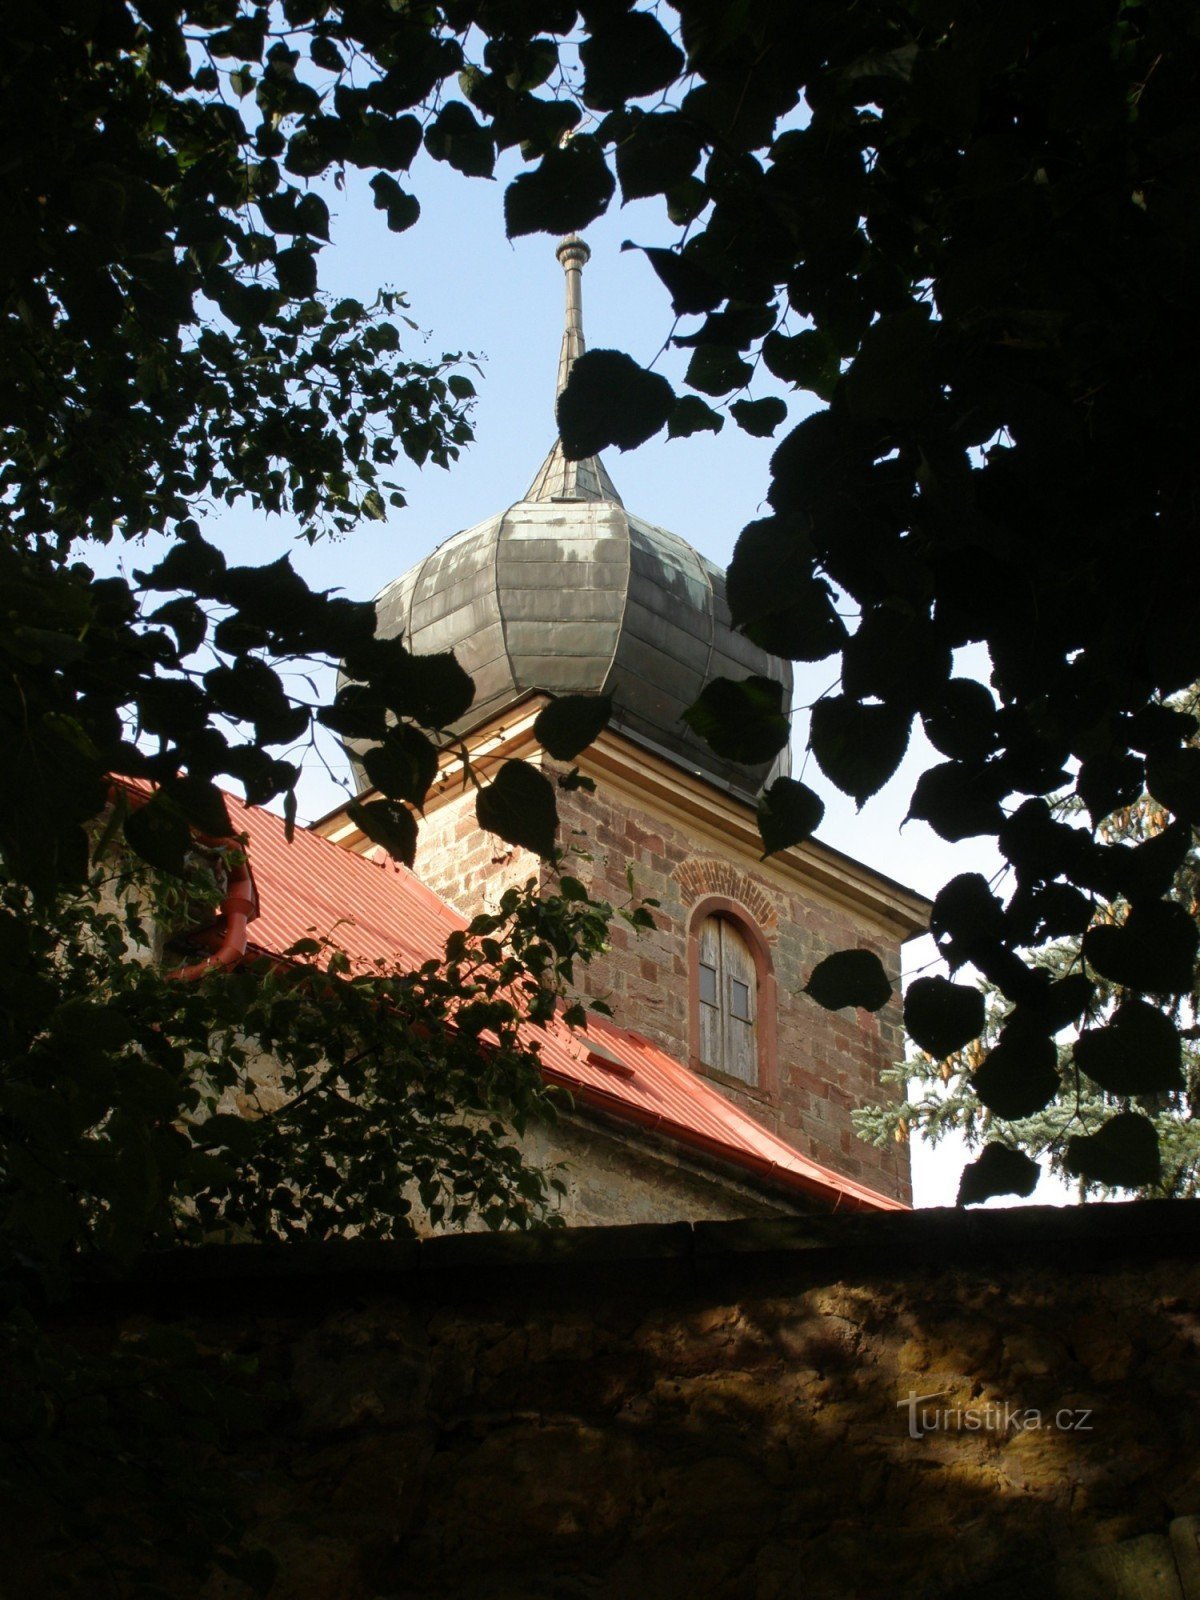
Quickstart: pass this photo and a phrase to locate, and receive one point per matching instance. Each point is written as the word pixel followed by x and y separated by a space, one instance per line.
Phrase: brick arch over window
pixel 708 918
pixel 701 878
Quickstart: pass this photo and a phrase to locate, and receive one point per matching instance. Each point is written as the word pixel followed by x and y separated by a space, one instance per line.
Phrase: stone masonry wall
pixel 615 1176
pixel 469 868
pixel 828 1062
pixel 610 1173
pixel 722 1412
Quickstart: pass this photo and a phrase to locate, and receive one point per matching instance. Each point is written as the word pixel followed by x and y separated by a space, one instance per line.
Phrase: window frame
pixel 722 907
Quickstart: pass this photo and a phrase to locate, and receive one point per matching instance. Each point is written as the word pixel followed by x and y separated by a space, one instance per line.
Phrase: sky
pixel 472 290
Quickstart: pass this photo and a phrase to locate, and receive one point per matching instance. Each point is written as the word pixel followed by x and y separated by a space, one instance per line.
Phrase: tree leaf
pixel 158 832
pixel 806 360
pixel 737 328
pixel 890 379
pixel 433 690
pixel 759 417
pixel 401 208
pixel 1059 1005
pixel 858 747
pixel 403 764
pixel 960 720
pixel 1109 782
pixel 849 978
pixel 519 805
pixel 685 200
pixel 534 63
pixel 770 569
pixel 1158 729
pixel 941 1017
pixel 1153 950
pixel 456 138
pixel 895 654
pixel 998 1170
pixel 1173 778
pixel 388 823
pixel 250 691
pixel 193 565
pixel 1137 1052
pixel 627 55
pixel 660 152
pixel 692 286
pixel 1147 871
pixel 569 188
pixel 741 720
pixel 1019 1075
pixel 356 713
pixel 959 799
pixel 1054 911
pixel 966 916
pixel 202 803
pixel 789 812
pixel 572 722
pixel 609 399
pixel 809 629
pixel 186 619
pixel 1124 1153
pixel 717 369
pixel 691 415
pixel 437 691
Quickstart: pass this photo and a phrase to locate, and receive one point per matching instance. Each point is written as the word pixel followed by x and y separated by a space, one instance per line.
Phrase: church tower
pixel 566 592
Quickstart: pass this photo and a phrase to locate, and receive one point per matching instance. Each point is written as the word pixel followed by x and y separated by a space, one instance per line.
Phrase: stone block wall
pixel 469 868
pixel 827 1064
pixel 614 1175
pixel 922 1406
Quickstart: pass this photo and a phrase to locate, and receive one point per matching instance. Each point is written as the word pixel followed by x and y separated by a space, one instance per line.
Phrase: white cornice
pixel 661 787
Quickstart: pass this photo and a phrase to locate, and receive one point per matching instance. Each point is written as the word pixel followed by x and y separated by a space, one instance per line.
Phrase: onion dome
pixel 567 591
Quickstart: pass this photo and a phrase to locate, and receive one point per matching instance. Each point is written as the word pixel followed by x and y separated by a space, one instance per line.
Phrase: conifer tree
pixel 941 1099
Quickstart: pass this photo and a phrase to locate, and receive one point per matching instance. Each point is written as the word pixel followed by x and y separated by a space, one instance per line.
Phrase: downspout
pixel 239 906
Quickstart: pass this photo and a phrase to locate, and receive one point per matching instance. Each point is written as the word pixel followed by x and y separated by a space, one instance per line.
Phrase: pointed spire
pixel 558 478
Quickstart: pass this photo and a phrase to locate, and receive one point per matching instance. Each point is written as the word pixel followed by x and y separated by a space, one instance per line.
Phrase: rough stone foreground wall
pixel 829 1063
pixel 711 1413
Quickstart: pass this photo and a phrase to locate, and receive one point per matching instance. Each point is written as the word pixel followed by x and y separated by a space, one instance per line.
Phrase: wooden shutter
pixel 709 980
pixel 739 986
pixel 727 982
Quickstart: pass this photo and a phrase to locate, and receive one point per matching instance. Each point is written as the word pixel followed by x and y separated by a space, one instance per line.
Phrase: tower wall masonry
pixel 827 1063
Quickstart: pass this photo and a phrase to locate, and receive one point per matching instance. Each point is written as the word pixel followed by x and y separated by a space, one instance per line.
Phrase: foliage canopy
pixel 1125 1075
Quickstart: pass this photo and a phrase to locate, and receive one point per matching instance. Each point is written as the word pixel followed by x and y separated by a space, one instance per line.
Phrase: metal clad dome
pixel 566 591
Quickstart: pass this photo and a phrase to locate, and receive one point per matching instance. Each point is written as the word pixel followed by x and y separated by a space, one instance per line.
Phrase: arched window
pixel 732 996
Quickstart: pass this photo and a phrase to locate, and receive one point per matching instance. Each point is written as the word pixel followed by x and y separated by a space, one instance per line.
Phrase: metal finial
pixel 574 255
pixel 572 249
pixel 558 478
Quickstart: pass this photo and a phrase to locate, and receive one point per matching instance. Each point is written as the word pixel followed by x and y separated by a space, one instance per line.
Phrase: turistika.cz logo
pixel 926 1416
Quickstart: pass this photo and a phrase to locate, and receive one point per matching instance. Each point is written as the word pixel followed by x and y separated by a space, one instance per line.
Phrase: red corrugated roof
pixel 314 888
